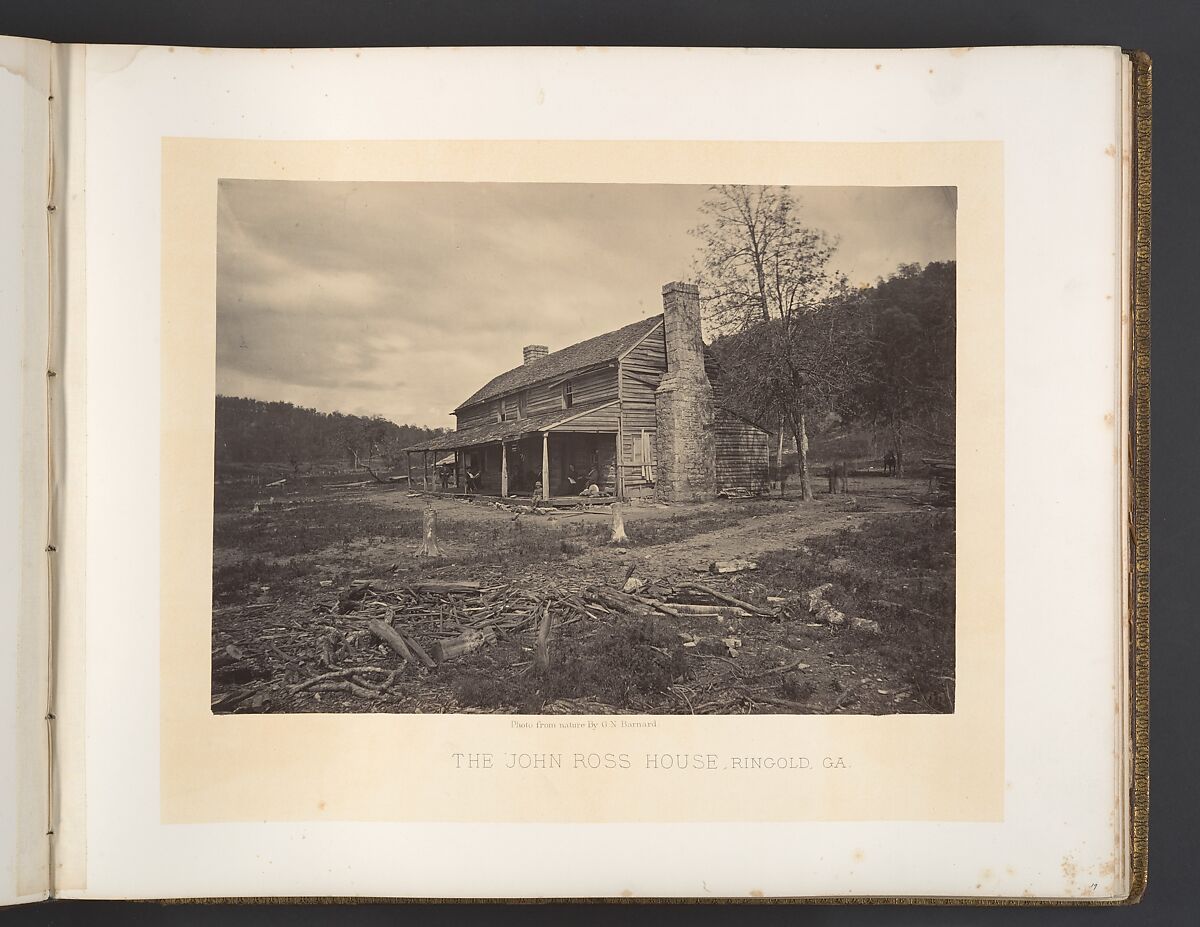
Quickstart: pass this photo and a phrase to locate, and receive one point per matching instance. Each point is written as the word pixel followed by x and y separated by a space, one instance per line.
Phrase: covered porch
pixel 548 457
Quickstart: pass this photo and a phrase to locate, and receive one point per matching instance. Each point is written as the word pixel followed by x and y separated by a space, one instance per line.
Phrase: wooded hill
pixel 873 367
pixel 250 431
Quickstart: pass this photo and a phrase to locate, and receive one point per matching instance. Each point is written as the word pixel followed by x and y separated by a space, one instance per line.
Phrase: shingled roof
pixel 598 350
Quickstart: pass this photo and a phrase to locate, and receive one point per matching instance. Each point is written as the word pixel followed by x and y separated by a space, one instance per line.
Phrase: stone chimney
pixel 535 352
pixel 685 442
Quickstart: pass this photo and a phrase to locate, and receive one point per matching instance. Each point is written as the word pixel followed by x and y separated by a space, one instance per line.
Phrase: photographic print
pixel 535 448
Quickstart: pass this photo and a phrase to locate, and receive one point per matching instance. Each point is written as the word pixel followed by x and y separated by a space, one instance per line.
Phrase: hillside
pixel 252 433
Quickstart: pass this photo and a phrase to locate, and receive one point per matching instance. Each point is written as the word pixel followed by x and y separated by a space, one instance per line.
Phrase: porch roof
pixel 504 431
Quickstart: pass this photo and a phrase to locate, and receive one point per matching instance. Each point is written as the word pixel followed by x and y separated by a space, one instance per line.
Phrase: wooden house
pixel 640 406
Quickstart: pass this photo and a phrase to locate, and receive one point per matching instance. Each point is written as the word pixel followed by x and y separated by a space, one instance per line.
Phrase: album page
pixel 533 473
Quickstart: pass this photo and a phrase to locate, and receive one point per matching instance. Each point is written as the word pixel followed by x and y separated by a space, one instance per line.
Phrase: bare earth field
pixel 301 587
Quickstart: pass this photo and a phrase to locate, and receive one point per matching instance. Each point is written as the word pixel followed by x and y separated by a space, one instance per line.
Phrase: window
pixel 523 404
pixel 568 395
pixel 501 412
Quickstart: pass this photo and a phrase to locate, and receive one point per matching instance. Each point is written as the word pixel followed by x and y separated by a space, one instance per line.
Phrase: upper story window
pixel 501 412
pixel 523 404
pixel 568 395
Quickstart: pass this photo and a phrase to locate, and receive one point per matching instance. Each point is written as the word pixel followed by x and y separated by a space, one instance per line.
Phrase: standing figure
pixel 839 477
pixel 889 463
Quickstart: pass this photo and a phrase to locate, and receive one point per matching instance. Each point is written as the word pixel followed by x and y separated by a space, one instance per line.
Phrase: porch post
pixel 425 470
pixel 408 458
pixel 545 465
pixel 504 469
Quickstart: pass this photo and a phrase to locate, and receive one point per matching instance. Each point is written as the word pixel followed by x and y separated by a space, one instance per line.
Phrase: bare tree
pixel 768 290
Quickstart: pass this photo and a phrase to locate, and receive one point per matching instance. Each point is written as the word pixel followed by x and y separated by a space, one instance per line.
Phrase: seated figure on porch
pixel 591 483
pixel 574 483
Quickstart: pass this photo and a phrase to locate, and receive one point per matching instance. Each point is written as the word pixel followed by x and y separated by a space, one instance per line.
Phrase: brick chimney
pixel 535 352
pixel 685 442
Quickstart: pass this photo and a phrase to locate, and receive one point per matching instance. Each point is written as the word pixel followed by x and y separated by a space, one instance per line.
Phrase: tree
pixel 908 331
pixel 779 312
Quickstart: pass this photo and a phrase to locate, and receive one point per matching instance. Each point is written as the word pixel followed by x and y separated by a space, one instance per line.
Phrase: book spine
pixel 1140 465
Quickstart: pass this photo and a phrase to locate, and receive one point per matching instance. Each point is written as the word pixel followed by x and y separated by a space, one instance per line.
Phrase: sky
pixel 402 299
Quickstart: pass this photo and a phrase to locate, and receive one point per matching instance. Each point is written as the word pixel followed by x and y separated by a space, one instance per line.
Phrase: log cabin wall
pixel 743 454
pixel 641 369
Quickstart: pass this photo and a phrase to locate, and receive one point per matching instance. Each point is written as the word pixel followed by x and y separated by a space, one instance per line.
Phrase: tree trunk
pixel 779 459
pixel 806 493
pixel 429 542
pixel 898 447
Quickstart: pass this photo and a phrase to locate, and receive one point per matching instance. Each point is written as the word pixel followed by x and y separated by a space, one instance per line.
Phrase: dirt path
pixel 744 538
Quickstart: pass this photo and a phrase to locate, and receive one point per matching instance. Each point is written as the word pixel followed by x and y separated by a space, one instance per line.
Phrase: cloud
pixel 400 299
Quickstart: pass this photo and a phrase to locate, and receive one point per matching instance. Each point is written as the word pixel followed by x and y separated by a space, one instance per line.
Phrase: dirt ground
pixel 298 582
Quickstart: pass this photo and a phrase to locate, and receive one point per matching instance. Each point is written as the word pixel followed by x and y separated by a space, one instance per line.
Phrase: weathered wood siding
pixel 588 387
pixel 641 369
pixel 743 454
pixel 483 413
pixel 604 419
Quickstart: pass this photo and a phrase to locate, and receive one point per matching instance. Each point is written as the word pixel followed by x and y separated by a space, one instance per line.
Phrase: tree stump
pixel 618 527
pixel 429 542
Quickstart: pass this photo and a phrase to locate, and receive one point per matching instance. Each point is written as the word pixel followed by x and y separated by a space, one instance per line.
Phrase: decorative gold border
pixel 1140 464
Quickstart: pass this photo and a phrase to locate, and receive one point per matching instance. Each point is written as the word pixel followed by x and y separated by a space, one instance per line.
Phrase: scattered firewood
pixel 663 607
pixel 819 607
pixel 731 566
pixel 726 597
pixel 340 674
pixel 634 585
pixel 420 652
pixel 393 639
pixel 439 585
pixel 708 611
pixel 617 602
pixel 469 640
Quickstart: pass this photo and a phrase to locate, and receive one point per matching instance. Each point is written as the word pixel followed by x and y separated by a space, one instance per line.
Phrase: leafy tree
pixel 778 311
pixel 907 323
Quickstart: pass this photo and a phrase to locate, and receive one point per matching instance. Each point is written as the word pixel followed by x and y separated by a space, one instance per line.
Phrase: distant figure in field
pixel 839 477
pixel 889 463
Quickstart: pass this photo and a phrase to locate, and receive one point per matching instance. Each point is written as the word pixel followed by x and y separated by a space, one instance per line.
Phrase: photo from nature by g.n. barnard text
pixel 535 448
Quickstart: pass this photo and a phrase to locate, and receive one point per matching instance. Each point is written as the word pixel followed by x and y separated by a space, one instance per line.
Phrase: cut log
pixel 392 638
pixel 420 652
pixel 429 541
pixel 725 597
pixel 663 607
pixel 469 640
pixel 731 566
pixel 617 602
pixel 819 607
pixel 707 611
pixel 542 652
